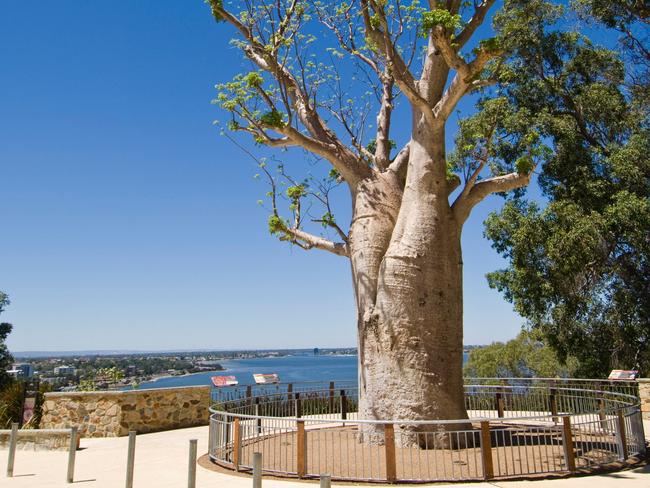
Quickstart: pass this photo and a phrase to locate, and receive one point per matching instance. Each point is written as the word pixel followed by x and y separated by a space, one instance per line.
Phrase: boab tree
pixel 309 60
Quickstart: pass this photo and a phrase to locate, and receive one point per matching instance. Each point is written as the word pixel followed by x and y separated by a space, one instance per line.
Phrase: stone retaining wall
pixel 644 393
pixel 38 440
pixel 115 413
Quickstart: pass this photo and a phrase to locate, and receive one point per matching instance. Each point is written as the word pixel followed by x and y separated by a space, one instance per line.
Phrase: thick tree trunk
pixel 411 314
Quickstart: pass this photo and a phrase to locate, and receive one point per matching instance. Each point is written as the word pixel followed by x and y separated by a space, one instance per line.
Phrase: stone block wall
pixel 644 394
pixel 115 413
pixel 38 440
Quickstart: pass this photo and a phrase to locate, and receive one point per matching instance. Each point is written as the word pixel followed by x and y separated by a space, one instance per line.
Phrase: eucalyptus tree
pixel 418 61
pixel 579 266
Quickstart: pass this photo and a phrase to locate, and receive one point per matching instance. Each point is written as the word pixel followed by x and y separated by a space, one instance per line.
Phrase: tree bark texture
pixel 407 270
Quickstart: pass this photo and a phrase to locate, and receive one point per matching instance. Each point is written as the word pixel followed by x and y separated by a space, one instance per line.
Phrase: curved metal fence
pixel 517 429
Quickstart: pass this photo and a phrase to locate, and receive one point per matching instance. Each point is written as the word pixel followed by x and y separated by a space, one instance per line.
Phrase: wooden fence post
pixel 257 414
pixel 553 403
pixel 567 441
pixel 301 449
pixel 622 435
pixel 486 451
pixel 331 397
pixel 344 406
pixel 298 406
pixel 236 449
pixel 389 446
pixel 289 391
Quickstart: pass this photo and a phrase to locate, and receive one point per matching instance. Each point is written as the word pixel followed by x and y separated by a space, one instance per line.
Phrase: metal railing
pixel 514 430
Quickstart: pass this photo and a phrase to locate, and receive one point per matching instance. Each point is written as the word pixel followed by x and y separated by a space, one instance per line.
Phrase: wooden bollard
pixel 301 449
pixel 130 460
pixel 257 470
pixel 236 449
pixel 249 393
pixel 344 406
pixel 290 391
pixel 191 465
pixel 72 455
pixel 622 435
pixel 325 481
pixel 486 451
pixel 389 448
pixel 567 441
pixel 11 457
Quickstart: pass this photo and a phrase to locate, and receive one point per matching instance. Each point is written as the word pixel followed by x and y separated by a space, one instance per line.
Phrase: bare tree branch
pixel 475 22
pixel 330 147
pixel 382 140
pixel 310 241
pixel 467 200
pixel 394 61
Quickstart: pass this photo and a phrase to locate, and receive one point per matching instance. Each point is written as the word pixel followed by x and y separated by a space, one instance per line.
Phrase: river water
pixel 290 369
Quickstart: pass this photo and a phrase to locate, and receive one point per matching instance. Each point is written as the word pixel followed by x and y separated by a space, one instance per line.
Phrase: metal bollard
pixel 13 440
pixel 191 469
pixel 325 481
pixel 72 454
pixel 130 459
pixel 257 470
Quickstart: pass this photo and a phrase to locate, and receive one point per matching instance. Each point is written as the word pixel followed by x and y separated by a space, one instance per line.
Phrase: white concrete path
pixel 161 462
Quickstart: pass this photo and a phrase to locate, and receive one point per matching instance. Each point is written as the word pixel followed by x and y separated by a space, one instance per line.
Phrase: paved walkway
pixel 161 462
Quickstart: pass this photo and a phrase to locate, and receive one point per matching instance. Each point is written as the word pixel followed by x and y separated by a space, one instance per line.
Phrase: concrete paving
pixel 161 461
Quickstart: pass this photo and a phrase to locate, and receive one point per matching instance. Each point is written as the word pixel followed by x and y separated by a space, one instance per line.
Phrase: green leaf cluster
pixel 296 192
pixel 276 225
pixel 440 17
pixel 273 119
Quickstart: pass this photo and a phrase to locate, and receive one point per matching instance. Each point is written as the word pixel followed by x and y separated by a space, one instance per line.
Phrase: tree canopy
pixel 578 266
pixel 526 356
pixel 331 79
pixel 5 356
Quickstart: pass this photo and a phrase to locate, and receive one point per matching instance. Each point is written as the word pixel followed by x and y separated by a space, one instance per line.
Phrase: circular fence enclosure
pixel 516 429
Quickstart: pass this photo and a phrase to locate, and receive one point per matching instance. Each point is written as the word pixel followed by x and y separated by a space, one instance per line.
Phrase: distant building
pixel 65 371
pixel 21 370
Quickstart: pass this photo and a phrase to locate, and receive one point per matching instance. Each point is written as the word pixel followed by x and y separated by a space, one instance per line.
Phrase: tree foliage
pixel 526 356
pixel 578 267
pixel 6 358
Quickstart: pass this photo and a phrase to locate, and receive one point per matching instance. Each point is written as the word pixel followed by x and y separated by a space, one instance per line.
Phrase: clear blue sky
pixel 128 222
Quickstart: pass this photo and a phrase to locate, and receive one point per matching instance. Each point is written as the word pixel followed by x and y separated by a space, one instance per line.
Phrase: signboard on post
pixel 30 397
pixel 28 409
pixel 623 374
pixel 265 379
pixel 220 381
